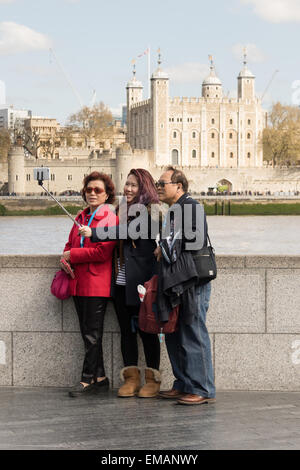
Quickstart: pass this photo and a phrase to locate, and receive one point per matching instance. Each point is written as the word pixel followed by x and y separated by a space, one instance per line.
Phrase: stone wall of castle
pixel 68 174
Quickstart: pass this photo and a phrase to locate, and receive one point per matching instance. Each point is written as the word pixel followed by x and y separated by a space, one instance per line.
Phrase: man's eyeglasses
pixel 161 184
pixel 96 190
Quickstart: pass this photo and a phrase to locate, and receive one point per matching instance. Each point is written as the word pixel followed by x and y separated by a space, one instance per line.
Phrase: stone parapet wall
pixel 253 320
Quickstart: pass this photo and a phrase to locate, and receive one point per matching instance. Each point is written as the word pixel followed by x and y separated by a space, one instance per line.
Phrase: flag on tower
pixel 144 53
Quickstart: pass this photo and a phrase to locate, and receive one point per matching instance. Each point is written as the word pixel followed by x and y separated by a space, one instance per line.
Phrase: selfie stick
pixel 40 182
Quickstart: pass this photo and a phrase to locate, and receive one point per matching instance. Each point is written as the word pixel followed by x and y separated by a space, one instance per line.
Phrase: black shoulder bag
pixel 205 263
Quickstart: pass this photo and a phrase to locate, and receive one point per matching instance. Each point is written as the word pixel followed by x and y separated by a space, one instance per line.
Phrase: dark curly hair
pixel 109 185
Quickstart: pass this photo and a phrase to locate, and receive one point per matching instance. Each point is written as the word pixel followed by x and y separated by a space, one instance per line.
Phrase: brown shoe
pixel 172 394
pixel 152 385
pixel 131 377
pixel 191 399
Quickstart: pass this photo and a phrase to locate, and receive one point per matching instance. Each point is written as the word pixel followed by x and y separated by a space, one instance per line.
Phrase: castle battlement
pixel 184 99
pixel 140 104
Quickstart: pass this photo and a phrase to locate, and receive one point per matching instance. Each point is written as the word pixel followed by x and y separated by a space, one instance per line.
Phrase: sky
pixel 95 41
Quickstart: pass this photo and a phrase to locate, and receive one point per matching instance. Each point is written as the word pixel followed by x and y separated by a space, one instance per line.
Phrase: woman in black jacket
pixel 135 264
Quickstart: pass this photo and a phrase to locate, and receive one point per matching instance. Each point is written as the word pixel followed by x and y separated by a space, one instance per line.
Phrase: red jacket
pixel 92 264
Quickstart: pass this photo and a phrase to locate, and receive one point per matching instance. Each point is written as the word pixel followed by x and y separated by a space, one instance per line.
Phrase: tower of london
pixel 214 139
pixel 212 131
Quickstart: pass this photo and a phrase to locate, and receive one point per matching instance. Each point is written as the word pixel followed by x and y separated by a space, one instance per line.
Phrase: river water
pixel 268 235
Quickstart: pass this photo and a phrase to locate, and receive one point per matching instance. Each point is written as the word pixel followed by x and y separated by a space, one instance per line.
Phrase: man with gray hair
pixel 189 347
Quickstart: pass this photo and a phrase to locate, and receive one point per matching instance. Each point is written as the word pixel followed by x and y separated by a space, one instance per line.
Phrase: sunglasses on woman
pixel 96 190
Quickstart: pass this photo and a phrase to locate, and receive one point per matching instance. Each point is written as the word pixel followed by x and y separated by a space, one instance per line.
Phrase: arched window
pixel 212 121
pixel 249 136
pixel 212 154
pixel 174 135
pixel 213 135
pixel 231 121
pixel 230 135
pixel 249 155
pixel 194 135
pixel 174 157
pixel 231 155
pixel 249 122
pixel 194 154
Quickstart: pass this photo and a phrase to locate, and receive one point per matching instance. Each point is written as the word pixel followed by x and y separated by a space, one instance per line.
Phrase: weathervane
pixel 159 57
pixel 133 63
pixel 245 56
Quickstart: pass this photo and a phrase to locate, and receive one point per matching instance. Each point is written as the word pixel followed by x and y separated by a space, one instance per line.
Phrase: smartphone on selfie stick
pixel 43 173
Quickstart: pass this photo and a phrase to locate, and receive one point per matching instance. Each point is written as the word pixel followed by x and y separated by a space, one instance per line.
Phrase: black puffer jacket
pixel 139 259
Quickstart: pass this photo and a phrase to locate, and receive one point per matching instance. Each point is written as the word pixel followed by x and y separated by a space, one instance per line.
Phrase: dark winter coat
pixel 139 259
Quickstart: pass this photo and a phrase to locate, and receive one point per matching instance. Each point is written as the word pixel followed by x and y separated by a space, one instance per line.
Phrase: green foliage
pixel 258 208
pixel 55 210
pixel 266 209
pixel 2 210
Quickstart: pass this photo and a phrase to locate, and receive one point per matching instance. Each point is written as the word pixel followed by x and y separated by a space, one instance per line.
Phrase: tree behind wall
pixel 92 122
pixel 4 144
pixel 281 140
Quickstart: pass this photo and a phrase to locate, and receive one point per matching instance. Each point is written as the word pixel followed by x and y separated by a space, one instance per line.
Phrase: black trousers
pixel 91 311
pixel 129 345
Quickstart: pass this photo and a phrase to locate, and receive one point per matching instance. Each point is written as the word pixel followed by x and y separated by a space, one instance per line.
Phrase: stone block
pixel 283 301
pixel 237 302
pixel 5 359
pixel 27 302
pixel 273 261
pixel 257 362
pixel 229 261
pixel 51 359
pixel 29 261
pixel 70 319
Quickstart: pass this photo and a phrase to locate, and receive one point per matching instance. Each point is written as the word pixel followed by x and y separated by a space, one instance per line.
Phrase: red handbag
pixel 148 320
pixel 60 285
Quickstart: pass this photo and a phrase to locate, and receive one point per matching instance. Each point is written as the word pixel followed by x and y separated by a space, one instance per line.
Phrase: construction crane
pixel 93 100
pixel 269 84
pixel 78 97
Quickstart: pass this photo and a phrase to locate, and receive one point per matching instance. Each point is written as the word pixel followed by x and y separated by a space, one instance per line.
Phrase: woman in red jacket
pixel 92 264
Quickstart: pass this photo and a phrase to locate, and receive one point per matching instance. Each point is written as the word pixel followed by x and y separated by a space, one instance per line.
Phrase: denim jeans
pixel 190 352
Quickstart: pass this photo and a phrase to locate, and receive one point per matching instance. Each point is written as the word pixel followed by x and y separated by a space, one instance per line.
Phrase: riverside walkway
pixel 47 419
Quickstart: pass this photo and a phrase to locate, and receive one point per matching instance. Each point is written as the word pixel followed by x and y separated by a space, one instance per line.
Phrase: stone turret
pixel 134 90
pixel 212 85
pixel 160 106
pixel 246 83
pixel 16 170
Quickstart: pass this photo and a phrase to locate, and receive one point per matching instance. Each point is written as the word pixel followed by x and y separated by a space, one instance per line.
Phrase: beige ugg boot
pixel 152 385
pixel 131 376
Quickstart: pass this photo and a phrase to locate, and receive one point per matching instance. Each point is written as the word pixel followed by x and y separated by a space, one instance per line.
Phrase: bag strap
pixel 89 223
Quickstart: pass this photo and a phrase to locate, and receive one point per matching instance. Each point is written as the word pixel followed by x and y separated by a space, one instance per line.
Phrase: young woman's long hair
pixel 147 191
